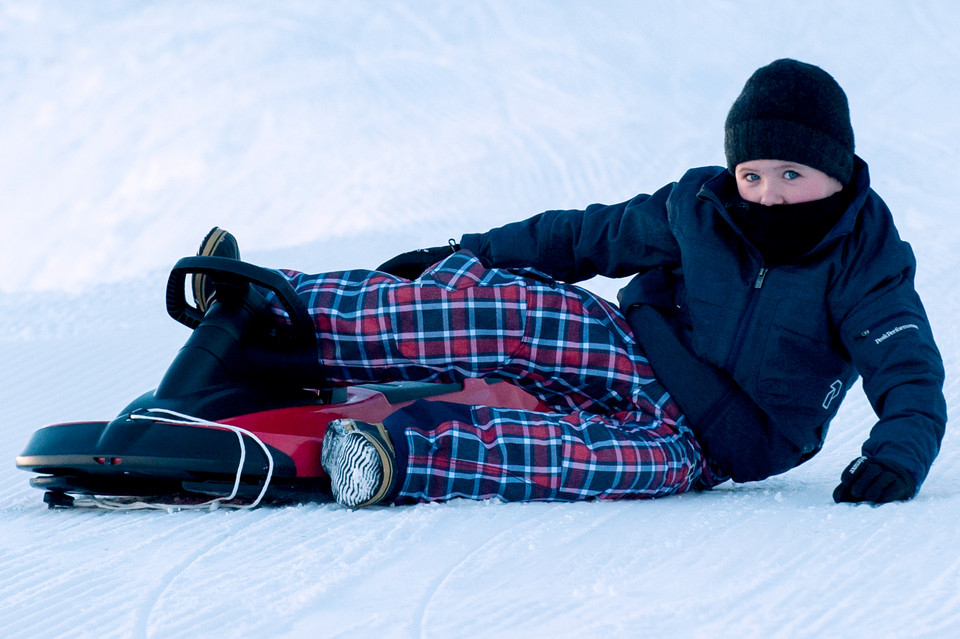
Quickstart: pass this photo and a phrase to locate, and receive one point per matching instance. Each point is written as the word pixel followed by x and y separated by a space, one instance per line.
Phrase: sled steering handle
pixel 231 271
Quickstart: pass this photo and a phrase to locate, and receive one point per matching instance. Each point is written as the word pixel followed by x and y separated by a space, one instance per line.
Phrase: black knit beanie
pixel 792 111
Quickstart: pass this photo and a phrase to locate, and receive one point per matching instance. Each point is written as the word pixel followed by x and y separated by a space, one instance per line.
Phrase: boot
pixel 217 243
pixel 360 460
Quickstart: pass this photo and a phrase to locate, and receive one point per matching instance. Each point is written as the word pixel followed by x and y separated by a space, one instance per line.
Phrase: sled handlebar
pixel 237 274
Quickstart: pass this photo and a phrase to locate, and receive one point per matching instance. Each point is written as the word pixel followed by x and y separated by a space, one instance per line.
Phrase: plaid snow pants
pixel 615 432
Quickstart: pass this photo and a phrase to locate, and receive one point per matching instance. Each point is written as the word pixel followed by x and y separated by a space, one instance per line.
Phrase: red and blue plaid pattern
pixel 480 452
pixel 616 433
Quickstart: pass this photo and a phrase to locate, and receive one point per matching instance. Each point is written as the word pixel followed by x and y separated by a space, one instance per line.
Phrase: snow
pixel 331 135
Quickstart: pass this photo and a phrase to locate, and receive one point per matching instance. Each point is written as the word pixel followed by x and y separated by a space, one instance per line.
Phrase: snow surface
pixel 331 135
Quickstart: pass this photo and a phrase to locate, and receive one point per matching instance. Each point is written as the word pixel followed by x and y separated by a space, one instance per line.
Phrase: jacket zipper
pixel 745 318
pixel 762 275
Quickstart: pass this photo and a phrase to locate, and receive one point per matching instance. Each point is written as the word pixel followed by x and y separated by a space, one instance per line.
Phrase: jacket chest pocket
pixel 801 366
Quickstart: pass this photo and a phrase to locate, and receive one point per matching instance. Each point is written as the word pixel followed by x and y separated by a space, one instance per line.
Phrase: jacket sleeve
pixel 611 240
pixel 889 338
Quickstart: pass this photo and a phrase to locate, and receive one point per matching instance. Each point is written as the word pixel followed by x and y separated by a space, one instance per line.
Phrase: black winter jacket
pixel 758 355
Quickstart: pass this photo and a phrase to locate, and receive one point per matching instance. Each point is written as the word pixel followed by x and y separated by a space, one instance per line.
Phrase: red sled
pixel 235 420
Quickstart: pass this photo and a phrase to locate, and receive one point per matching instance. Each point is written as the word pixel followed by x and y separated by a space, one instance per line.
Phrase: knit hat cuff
pixel 772 139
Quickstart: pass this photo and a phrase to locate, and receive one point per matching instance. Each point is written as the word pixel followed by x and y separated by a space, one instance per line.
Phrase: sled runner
pixel 239 416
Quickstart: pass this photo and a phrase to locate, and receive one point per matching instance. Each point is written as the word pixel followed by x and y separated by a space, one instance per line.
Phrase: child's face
pixel 770 182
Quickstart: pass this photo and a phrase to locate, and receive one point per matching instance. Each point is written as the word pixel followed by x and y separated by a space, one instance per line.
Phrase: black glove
pixel 412 264
pixel 871 480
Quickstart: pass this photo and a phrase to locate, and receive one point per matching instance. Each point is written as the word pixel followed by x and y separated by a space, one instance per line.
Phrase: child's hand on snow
pixel 873 481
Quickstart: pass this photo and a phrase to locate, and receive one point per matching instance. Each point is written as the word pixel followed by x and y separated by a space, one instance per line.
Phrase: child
pixel 759 293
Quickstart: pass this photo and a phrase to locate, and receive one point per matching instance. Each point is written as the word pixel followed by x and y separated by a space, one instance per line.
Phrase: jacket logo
pixel 894 331
pixel 832 395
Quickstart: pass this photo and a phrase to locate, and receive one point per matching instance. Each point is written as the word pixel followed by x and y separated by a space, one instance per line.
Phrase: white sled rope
pixel 173 417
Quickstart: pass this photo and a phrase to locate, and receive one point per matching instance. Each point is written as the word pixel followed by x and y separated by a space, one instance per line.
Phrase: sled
pixel 237 419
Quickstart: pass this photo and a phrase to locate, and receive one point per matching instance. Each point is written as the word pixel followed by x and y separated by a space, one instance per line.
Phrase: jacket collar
pixel 721 189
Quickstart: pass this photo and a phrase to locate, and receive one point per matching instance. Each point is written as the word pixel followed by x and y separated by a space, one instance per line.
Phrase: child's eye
pixel 790 175
pixel 751 177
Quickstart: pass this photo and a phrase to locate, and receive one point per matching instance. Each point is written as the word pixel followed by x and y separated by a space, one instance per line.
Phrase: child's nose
pixel 771 194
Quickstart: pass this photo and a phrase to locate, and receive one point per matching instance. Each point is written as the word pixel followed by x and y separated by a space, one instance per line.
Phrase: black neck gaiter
pixel 784 232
